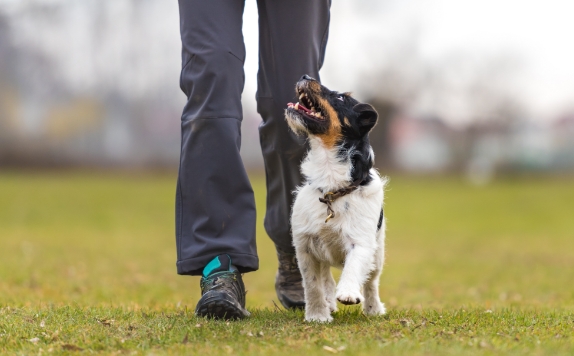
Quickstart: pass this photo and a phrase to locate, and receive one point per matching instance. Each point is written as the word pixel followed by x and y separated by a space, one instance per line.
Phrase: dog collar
pixel 330 197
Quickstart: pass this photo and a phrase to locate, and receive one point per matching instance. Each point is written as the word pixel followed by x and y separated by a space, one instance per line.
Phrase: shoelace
pixel 211 281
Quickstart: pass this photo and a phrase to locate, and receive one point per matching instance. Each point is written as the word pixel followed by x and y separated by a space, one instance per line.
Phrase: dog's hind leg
pixel 316 307
pixel 373 305
pixel 329 287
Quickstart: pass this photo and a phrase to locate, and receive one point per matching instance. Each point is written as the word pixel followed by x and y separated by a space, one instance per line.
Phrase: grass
pixel 87 264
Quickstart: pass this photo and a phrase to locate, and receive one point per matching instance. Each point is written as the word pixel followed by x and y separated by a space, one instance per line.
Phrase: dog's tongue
pixel 298 106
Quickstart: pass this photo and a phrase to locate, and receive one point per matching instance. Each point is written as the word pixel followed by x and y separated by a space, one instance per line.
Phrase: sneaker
pixel 288 281
pixel 222 291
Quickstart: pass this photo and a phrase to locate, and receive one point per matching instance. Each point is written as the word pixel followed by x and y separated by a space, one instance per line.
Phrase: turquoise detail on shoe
pixel 221 263
pixel 212 265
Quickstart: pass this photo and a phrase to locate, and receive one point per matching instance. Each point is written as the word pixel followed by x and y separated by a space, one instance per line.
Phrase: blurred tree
pixel 476 95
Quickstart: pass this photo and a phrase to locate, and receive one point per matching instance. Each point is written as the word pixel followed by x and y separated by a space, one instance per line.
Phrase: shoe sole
pixel 219 306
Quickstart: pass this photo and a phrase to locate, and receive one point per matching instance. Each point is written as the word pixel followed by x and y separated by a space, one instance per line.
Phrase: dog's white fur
pixel 349 241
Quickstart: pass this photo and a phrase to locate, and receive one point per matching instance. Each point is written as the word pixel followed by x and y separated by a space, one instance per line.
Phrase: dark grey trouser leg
pixel 215 208
pixel 292 39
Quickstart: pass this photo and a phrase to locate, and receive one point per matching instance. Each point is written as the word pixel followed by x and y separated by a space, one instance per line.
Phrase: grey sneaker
pixel 222 293
pixel 288 281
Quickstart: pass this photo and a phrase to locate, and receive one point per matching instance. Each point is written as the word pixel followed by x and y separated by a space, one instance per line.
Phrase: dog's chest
pixel 355 220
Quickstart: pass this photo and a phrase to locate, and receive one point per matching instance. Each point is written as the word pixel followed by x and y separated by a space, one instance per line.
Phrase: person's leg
pixel 215 207
pixel 292 39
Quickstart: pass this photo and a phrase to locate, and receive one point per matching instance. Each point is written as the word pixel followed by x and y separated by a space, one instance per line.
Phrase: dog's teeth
pixel 297 106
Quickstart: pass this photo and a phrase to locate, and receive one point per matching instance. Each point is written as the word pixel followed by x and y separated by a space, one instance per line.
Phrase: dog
pixel 337 217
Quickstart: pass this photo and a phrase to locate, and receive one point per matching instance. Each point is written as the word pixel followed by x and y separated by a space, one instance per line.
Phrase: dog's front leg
pixel 373 305
pixel 358 264
pixel 329 286
pixel 316 307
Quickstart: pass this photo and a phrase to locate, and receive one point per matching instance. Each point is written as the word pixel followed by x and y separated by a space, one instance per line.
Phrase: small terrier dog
pixel 337 217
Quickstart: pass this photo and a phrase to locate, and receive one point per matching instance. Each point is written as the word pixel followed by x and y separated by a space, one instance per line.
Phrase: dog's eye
pixel 341 98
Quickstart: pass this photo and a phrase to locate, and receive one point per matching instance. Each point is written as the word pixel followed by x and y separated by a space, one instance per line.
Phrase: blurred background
pixel 476 132
pixel 473 87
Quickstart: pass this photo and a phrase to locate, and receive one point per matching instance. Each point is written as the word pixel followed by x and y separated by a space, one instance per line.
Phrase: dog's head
pixel 335 118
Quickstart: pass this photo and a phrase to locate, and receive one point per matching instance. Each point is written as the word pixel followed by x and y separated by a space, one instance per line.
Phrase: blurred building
pixel 429 145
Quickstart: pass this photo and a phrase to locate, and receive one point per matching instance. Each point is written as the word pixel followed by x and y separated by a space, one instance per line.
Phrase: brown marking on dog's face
pixel 314 86
pixel 346 121
pixel 333 133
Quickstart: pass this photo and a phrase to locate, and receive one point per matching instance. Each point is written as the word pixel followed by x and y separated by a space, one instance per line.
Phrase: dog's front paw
pixel 349 297
pixel 332 305
pixel 318 317
pixel 331 302
pixel 375 308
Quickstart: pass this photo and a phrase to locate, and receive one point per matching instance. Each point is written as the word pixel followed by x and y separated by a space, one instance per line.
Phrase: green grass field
pixel 87 264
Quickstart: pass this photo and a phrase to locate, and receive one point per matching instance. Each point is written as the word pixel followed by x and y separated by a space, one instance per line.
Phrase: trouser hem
pixel 194 266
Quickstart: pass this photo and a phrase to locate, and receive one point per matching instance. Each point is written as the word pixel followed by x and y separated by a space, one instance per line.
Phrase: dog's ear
pixel 367 117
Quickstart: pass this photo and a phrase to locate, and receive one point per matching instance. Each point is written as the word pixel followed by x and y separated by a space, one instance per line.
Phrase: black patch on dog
pixel 380 223
pixel 357 121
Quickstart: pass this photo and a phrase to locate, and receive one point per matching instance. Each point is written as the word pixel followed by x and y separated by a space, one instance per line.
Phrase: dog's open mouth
pixel 306 107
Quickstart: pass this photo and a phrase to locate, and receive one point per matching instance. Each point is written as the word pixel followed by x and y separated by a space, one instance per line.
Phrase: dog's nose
pixel 306 77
